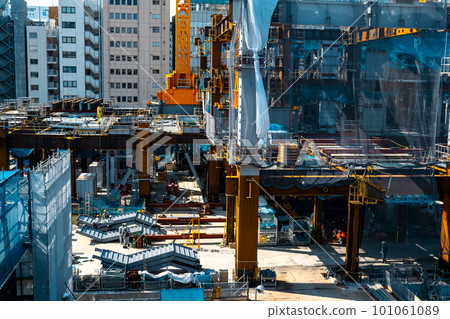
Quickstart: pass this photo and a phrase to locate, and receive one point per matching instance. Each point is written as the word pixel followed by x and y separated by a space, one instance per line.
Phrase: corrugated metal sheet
pixel 192 294
pixel 153 259
pixel 116 221
pixel 113 235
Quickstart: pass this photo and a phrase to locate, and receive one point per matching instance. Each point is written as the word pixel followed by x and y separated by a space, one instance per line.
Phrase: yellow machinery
pixel 180 88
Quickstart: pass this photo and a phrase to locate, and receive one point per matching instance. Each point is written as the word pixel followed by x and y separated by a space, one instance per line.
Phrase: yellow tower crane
pixel 181 82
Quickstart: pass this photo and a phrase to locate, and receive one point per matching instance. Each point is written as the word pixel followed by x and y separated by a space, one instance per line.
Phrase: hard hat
pixel 104 210
pixel 124 224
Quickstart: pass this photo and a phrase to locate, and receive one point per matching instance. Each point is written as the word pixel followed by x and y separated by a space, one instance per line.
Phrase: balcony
pixel 94 38
pixel 52 72
pixel 93 67
pixel 53 86
pixel 52 60
pixel 52 47
pixel 91 51
pixel 90 80
pixel 94 24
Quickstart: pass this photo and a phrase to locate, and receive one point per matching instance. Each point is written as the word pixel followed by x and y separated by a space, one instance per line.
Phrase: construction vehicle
pixel 181 82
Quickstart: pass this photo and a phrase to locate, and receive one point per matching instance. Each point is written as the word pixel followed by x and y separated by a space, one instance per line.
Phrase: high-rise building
pixel 135 49
pixel 71 49
pixel 42 62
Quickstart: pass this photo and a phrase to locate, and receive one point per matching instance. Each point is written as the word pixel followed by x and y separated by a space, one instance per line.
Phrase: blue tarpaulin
pixel 193 294
pixel 22 152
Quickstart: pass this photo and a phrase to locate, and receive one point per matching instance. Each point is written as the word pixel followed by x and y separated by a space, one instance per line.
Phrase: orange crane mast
pixel 181 82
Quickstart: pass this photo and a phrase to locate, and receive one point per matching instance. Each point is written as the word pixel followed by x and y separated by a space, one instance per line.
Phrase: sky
pixel 46 3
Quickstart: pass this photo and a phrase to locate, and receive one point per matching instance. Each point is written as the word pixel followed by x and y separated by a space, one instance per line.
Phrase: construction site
pixel 307 160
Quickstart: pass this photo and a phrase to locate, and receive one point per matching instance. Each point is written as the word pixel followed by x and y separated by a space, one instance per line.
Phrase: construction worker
pixel 121 233
pixel 384 250
pixel 105 215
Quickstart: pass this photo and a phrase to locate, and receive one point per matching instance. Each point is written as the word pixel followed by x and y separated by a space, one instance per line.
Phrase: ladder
pixel 193 233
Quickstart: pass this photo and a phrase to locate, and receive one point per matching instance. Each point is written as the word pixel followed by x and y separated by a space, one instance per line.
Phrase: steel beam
pixel 213 177
pixel 444 251
pixel 4 151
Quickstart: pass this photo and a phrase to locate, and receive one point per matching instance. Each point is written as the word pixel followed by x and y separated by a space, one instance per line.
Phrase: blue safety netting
pixel 14 221
pixel 21 152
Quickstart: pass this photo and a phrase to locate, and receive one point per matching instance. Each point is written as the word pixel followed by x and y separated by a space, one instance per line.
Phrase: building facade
pixel 135 49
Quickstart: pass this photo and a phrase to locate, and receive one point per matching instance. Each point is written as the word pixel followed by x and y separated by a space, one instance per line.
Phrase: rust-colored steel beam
pixel 152 238
pixel 188 205
pixel 187 220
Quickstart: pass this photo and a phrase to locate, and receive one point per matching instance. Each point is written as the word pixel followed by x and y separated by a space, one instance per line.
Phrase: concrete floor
pixel 298 268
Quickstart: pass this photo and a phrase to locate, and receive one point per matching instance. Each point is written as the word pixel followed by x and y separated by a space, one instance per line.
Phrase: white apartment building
pixel 135 49
pixel 71 49
pixel 92 48
pixel 42 62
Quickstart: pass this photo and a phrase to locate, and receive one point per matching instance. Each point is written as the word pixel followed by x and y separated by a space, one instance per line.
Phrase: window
pixel 123 2
pixel 155 58
pixel 124 85
pixel 34 87
pixel 111 58
pixel 135 30
pixel 155 2
pixel 68 25
pixel 69 39
pixel 129 30
pixel 124 44
pixel 129 85
pixel 135 71
pixel 111 1
pixel 135 58
pixel 33 47
pixel 111 16
pixel 124 30
pixel 128 16
pixel 117 29
pixel 134 85
pixel 118 99
pixel 124 72
pixel 124 98
pixel 129 72
pixel 33 35
pixel 111 44
pixel 67 9
pixel 117 85
pixel 33 61
pixel 156 16
pixel 69 54
pixel 111 71
pixel 155 71
pixel 155 85
pixel 111 30
pixel 34 74
pixel 117 71
pixel 134 98
pixel 129 2
pixel 128 44
pixel 117 2
pixel 111 85
pixel 117 44
pixel 155 44
pixel 135 44
pixel 69 69
pixel 129 58
pixel 117 57
pixel 155 29
pixel 70 84
pixel 117 16
pixel 135 16
pixel 135 2
pixel 124 16
pixel 124 57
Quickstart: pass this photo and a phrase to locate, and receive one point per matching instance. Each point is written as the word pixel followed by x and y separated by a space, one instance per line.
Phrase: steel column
pixel 247 220
pixel 353 242
pixel 4 151
pixel 444 251
pixel 318 219
pixel 213 178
